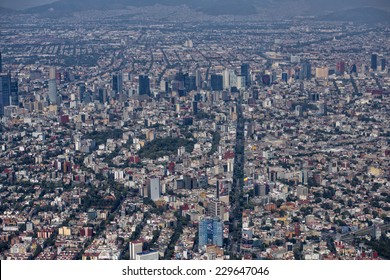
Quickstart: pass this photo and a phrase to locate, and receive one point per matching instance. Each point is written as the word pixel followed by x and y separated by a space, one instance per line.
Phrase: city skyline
pixel 166 132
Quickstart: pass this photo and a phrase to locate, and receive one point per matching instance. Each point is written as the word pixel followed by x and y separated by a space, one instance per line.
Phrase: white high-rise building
pixel 233 79
pixel 154 189
pixel 135 247
pixel 240 82
pixel 52 86
pixel 226 79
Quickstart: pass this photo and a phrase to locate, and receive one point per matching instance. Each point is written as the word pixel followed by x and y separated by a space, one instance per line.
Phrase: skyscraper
pixel 52 86
pixel 102 95
pixel 154 189
pixel 306 71
pixel 226 79
pixel 245 73
pixel 210 232
pixel 383 64
pixel 340 68
pixel 144 85
pixel 5 91
pixel 216 82
pixel 198 77
pixel 284 77
pixel 194 107
pixel 117 82
pixel 14 92
pixel 374 61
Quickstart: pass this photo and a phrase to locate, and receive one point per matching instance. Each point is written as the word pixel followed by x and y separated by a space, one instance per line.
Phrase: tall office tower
pixel 82 90
pixel 5 91
pixel 383 64
pixel 298 111
pixel 1 63
pixel 144 85
pixel 340 68
pixel 117 82
pixel 306 71
pixel 232 79
pixel 374 61
pixel 164 86
pixel 194 107
pixel 14 92
pixel 216 82
pixel 245 73
pixel 322 73
pixel 135 247
pixel 353 69
pixel 198 77
pixel 189 82
pixel 284 77
pixel 102 95
pixel 323 109
pixel 154 188
pixel 210 232
pixel 52 86
pixel 226 79
pixel 215 209
pixel 240 82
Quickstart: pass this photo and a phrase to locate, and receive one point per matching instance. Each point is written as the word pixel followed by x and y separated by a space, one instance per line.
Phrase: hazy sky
pixel 23 4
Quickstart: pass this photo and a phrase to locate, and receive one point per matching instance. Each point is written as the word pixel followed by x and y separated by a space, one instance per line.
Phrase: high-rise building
pixel 191 85
pixel 194 107
pixel 102 95
pixel 216 82
pixel 5 91
pixel 210 232
pixel 353 69
pixel 322 73
pixel 216 209
pixel 226 79
pixel 240 82
pixel 383 64
pixel 117 82
pixel 298 111
pixel 52 86
pixel 82 90
pixel 306 71
pixel 245 72
pixel 284 77
pixel 14 92
pixel 323 109
pixel 374 61
pixel 135 247
pixel 198 78
pixel 232 79
pixel 144 85
pixel 340 68
pixel 154 188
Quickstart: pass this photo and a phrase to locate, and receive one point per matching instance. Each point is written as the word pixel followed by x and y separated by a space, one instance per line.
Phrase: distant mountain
pixel 364 15
pixel 6 11
pixel 215 7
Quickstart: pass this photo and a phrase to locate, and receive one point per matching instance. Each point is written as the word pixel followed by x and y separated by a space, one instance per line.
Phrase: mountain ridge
pixel 216 7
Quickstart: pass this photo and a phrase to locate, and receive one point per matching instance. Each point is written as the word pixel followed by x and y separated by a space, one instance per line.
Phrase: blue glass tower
pixel 210 232
pixel 5 92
